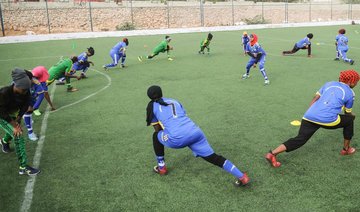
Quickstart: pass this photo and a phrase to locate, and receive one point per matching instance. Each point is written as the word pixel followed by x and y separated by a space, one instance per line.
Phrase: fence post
pixel 262 10
pixel 2 21
pixel 310 11
pixel 168 14
pixel 286 12
pixel 132 13
pixel 201 13
pixel 350 10
pixel 233 13
pixel 91 22
pixel 331 10
pixel 47 15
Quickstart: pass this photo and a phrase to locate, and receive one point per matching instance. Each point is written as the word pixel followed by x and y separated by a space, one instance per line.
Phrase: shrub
pixel 125 26
pixel 258 19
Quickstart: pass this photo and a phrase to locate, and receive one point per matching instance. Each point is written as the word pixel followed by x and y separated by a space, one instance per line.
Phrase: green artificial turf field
pixel 98 156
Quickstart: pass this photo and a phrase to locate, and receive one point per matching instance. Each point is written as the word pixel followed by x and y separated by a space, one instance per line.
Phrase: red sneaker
pixel 242 181
pixel 349 151
pixel 159 171
pixel 272 160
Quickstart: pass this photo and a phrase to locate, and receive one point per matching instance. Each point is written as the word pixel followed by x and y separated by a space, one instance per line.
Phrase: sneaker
pixel 199 52
pixel 271 158
pixel 245 76
pixel 140 58
pixel 337 59
pixel 349 151
pixel 159 171
pixel 37 112
pixel 72 89
pixel 267 82
pixel 5 146
pixel 105 68
pixel 170 59
pixel 122 66
pixel 244 180
pixel 28 170
pixel 33 137
pixel 83 76
pixel 60 83
pixel 352 62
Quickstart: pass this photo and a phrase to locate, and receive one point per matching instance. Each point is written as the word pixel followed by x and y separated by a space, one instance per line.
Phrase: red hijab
pixel 255 39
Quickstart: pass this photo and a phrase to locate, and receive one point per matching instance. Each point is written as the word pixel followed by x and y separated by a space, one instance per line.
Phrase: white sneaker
pixel 267 82
pixel 33 137
pixel 245 76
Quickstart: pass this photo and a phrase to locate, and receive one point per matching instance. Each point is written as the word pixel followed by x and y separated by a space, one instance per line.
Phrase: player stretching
pixel 257 55
pixel 63 69
pixel 342 47
pixel 174 129
pixel 161 48
pixel 82 64
pixel 206 44
pixel 324 112
pixel 302 44
pixel 118 52
pixel 14 102
pixel 42 75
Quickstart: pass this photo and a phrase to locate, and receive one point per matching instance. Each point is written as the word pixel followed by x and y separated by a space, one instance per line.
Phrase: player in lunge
pixel 82 64
pixel 118 52
pixel 302 44
pixel 325 112
pixel 161 48
pixel 174 129
pixel 63 69
pixel 341 43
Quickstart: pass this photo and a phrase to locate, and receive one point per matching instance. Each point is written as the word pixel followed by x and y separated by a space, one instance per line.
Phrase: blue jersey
pixel 119 48
pixel 36 88
pixel 341 42
pixel 304 42
pixel 81 59
pixel 173 119
pixel 333 97
pixel 256 48
pixel 245 39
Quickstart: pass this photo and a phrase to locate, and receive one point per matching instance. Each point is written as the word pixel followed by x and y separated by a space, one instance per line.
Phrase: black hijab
pixel 154 92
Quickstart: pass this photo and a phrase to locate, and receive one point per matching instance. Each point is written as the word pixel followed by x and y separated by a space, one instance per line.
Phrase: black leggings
pixel 307 129
pixel 295 49
pixel 158 147
pixel 215 159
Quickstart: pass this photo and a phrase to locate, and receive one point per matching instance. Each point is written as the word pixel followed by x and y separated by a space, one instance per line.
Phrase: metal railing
pixel 19 17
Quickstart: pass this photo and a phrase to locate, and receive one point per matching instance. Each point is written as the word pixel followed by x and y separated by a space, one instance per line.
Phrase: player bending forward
pixel 174 129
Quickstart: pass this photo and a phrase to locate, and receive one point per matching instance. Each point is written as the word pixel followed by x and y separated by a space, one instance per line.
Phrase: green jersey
pixel 57 71
pixel 205 43
pixel 162 47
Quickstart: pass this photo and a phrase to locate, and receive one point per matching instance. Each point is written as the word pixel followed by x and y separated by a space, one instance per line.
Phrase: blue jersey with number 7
pixel 173 119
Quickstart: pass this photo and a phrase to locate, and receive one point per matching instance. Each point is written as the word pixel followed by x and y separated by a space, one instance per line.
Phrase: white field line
pixel 89 96
pixel 29 188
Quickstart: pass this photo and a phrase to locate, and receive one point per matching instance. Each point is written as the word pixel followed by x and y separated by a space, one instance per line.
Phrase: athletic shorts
pixel 195 140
